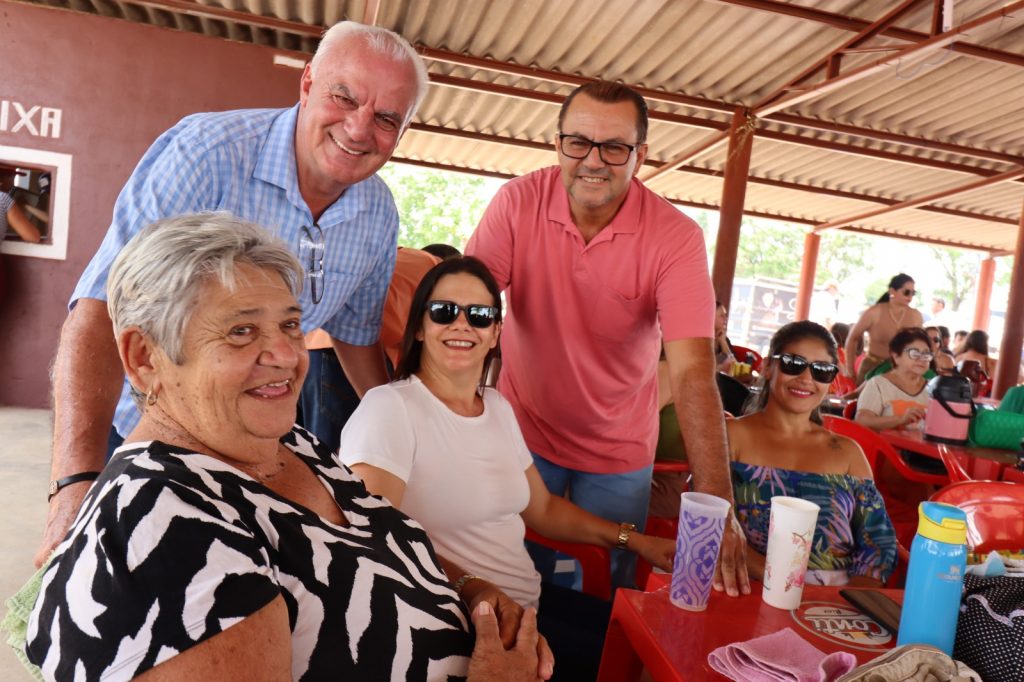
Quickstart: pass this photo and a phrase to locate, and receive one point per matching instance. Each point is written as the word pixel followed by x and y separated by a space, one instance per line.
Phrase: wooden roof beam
pixel 921 201
pixel 720 126
pixel 259 21
pixel 848 23
pixel 924 47
pixel 768 106
pixel 830 62
pixel 195 9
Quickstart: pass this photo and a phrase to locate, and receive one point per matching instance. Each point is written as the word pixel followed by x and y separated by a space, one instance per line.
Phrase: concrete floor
pixel 25 437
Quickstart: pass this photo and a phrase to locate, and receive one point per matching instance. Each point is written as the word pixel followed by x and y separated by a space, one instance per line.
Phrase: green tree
pixel 961 270
pixel 436 206
pixel 769 249
pixel 841 255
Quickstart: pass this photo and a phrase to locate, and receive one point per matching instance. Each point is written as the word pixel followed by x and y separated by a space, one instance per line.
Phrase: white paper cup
pixel 701 524
pixel 790 533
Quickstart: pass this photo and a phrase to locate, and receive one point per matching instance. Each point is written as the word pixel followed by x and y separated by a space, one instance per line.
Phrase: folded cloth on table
pixel 19 607
pixel 782 656
pixel 912 663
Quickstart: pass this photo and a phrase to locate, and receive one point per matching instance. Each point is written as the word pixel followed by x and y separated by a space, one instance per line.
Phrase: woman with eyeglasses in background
pixel 780 448
pixel 882 321
pixel 898 398
pixel 449 453
pixel 942 363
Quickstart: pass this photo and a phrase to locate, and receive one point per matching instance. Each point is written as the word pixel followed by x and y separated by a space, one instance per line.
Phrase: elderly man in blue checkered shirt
pixel 308 174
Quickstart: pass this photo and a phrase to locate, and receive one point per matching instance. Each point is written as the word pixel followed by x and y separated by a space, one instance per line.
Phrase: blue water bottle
pixel 938 559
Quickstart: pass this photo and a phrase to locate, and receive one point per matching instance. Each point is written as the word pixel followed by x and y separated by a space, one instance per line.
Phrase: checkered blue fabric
pixel 244 162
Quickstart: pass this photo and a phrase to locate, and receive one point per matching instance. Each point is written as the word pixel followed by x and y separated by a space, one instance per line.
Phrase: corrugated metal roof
pixel 924 122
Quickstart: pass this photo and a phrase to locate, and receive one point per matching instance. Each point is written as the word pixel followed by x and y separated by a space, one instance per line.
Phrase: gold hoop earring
pixel 151 398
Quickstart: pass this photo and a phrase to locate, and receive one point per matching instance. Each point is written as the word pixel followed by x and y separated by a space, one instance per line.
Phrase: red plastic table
pixel 981 463
pixel 647 631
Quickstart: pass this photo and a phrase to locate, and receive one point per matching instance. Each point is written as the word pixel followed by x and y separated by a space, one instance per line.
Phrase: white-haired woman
pixel 222 542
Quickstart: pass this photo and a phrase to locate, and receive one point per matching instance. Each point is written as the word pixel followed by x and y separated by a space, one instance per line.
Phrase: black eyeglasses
pixel 915 354
pixel 794 365
pixel 909 292
pixel 314 245
pixel 446 312
pixel 612 153
pixel 936 340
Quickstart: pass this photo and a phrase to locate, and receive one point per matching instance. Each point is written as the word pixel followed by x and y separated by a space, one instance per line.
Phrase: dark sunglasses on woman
pixel 794 365
pixel 446 312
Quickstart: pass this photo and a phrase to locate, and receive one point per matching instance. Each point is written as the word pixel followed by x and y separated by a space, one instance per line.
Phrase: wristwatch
pixel 59 483
pixel 624 530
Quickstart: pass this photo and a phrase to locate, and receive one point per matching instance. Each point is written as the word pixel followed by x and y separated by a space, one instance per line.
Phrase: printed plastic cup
pixel 790 532
pixel 701 524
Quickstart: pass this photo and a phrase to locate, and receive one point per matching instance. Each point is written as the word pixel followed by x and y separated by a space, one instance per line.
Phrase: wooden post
pixel 1013 330
pixel 734 191
pixel 982 304
pixel 808 266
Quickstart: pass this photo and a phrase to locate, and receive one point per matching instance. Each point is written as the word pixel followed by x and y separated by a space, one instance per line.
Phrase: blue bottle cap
pixel 942 522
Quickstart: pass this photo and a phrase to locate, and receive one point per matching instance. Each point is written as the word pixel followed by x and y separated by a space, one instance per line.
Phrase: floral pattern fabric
pixel 853 533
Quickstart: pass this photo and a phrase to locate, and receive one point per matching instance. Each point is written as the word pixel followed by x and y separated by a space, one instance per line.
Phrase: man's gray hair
pixel 155 281
pixel 382 41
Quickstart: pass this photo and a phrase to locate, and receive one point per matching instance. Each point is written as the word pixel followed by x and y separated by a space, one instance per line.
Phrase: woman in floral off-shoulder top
pixel 780 448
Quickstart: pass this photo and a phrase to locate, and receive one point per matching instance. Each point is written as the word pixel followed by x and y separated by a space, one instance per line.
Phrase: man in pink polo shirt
pixel 598 272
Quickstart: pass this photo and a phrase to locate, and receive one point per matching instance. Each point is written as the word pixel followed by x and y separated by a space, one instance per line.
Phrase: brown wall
pixel 120 85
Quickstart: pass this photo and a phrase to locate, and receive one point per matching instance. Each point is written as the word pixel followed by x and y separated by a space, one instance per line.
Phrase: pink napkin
pixel 782 656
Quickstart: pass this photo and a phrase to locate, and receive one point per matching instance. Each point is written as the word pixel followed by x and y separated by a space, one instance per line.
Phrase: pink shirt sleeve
pixel 493 239
pixel 685 297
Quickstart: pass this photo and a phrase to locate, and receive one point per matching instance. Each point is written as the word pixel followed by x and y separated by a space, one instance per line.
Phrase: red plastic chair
pixel 954 466
pixel 1013 475
pixel 850 409
pixel 877 450
pixel 995 513
pixel 595 561
pixel 741 353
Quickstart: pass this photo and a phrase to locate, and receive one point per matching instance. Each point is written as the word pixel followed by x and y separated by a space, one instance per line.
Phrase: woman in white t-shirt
pixel 898 398
pixel 449 453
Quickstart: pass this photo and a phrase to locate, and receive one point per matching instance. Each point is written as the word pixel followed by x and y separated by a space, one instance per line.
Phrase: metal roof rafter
pixel 193 8
pixel 693 170
pixel 767 107
pixel 848 23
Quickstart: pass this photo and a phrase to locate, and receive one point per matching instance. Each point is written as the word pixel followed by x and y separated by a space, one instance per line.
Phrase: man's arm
pixel 87 380
pixel 691 366
pixel 363 365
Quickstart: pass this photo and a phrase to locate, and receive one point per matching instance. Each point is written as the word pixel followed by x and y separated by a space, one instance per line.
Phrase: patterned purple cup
pixel 701 524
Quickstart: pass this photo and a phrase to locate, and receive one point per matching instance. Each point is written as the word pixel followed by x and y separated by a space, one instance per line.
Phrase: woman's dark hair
pixel 895 283
pixel 976 341
pixel 787 334
pixel 409 363
pixel 840 332
pixel 905 337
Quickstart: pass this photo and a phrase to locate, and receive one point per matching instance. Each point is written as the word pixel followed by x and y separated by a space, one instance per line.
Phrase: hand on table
pixel 524 662
pixel 63 509
pixel 731 571
pixel 659 552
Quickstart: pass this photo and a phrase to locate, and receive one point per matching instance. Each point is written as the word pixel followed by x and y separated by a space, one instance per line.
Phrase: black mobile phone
pixel 875 604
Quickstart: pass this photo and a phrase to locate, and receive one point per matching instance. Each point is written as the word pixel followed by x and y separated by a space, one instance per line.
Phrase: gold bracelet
pixel 624 530
pixel 461 582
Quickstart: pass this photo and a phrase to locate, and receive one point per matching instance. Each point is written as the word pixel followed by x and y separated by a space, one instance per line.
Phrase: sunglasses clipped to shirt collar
pixel 794 365
pixel 446 312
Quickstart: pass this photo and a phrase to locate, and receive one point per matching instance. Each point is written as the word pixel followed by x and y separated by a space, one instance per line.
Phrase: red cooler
pixel 949 410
